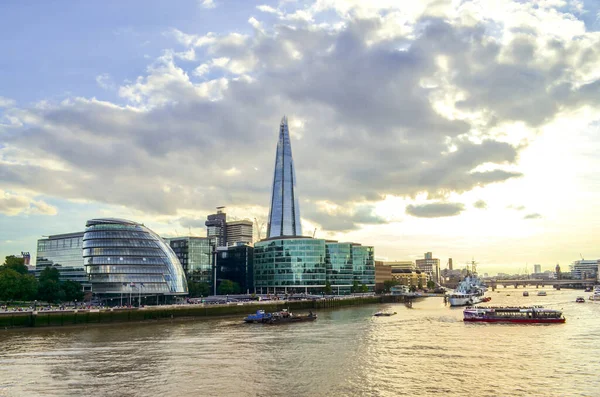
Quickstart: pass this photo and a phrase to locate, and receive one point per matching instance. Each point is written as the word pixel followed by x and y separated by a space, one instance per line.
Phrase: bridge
pixel 590 282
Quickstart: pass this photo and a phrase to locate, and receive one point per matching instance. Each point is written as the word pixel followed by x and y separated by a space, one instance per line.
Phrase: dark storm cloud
pixel 435 210
pixel 368 125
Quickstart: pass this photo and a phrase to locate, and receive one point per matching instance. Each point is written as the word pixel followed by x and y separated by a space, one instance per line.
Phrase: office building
pixel 216 227
pixel 383 273
pixel 403 265
pixel 236 264
pixel 537 268
pixel 125 257
pixel 239 232
pixel 431 266
pixel 584 269
pixel 196 256
pixel 286 261
pixel 284 214
pixel 63 252
pixel 410 278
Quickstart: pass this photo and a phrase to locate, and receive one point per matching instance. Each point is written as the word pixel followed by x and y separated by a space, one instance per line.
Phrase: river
pixel 423 350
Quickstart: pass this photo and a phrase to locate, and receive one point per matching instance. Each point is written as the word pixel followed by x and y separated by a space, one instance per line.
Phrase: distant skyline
pixel 469 129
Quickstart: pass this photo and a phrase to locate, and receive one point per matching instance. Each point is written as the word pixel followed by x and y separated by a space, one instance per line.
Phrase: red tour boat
pixel 522 315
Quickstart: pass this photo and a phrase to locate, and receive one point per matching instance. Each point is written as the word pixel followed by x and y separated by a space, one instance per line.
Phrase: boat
pixel 383 314
pixel 596 294
pixel 520 315
pixel 542 293
pixel 580 299
pixel 588 289
pixel 525 293
pixel 468 292
pixel 259 317
pixel 486 299
pixel 285 317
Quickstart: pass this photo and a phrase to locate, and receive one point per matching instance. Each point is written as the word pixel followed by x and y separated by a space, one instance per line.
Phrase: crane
pixel 315 232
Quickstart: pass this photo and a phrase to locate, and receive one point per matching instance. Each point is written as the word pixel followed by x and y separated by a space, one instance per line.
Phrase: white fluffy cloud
pixel 388 100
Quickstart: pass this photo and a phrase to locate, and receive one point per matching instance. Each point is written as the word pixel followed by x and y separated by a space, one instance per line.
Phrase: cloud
pixel 534 215
pixel 207 3
pixel 435 210
pixel 516 207
pixel 340 219
pixel 6 102
pixel 382 107
pixel 13 204
pixel 105 81
pixel 480 204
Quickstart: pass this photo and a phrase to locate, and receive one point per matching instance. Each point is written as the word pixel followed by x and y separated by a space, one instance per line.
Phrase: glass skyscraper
pixel 284 216
pixel 122 256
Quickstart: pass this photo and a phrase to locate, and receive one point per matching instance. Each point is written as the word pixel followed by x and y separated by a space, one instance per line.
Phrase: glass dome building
pixel 124 257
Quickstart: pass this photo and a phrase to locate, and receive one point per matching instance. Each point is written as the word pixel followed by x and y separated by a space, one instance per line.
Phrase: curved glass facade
pixel 288 265
pixel 339 266
pixel 121 256
pixel 363 263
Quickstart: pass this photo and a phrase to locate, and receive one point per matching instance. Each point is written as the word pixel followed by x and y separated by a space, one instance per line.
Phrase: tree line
pixel 16 284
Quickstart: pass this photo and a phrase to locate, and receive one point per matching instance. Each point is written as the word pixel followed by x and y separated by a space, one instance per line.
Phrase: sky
pixel 467 128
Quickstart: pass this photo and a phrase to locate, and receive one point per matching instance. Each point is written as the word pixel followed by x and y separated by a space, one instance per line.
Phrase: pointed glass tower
pixel 284 216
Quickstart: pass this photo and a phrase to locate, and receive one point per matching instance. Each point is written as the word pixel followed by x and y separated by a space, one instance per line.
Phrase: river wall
pixel 108 316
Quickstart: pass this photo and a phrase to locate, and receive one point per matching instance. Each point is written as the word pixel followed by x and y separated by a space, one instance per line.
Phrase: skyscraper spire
pixel 284 215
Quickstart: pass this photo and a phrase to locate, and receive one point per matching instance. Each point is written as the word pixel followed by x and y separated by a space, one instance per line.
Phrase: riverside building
pixel 286 261
pixel 196 256
pixel 125 257
pixel 431 266
pixel 63 252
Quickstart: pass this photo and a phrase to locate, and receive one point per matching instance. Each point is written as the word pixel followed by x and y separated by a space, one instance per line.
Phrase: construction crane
pixel 259 227
pixel 581 257
pixel 315 232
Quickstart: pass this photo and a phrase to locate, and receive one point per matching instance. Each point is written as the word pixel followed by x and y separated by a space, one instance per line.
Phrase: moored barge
pixel 521 315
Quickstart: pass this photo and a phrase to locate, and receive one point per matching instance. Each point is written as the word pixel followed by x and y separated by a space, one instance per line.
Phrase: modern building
pixel 431 266
pixel 339 266
pixel 196 256
pixel 236 264
pixel 289 264
pixel 286 261
pixel 239 232
pixel 63 252
pixel 450 264
pixel 216 227
pixel 537 268
pixel 125 257
pixel 585 269
pixel 284 214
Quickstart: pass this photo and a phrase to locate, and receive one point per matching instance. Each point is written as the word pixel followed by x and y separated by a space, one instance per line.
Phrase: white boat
pixel 542 293
pixel 595 296
pixel 469 292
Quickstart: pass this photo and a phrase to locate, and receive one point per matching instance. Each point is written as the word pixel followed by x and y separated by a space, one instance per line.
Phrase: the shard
pixel 284 216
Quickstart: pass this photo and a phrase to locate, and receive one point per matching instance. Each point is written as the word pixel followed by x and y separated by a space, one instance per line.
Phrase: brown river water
pixel 424 350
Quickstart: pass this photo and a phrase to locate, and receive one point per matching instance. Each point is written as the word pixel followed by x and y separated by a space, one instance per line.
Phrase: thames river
pixel 424 350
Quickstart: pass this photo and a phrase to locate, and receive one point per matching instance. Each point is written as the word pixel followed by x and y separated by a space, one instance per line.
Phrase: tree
pixel 327 288
pixel 412 288
pixel 9 284
pixel 355 286
pixel 430 284
pixel 49 289
pixel 228 287
pixel 420 285
pixel 16 264
pixel 198 289
pixel 28 286
pixel 73 291
pixel 388 284
pixel 364 288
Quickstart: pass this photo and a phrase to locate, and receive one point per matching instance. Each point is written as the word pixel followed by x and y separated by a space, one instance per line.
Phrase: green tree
pixel 388 284
pixel 228 287
pixel 364 288
pixel 420 285
pixel 412 288
pixel 198 289
pixel 49 289
pixel 16 264
pixel 430 284
pixel 28 286
pixel 9 284
pixel 355 287
pixel 327 288
pixel 73 291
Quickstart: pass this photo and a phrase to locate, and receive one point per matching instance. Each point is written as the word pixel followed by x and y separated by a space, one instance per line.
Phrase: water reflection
pixel 420 351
